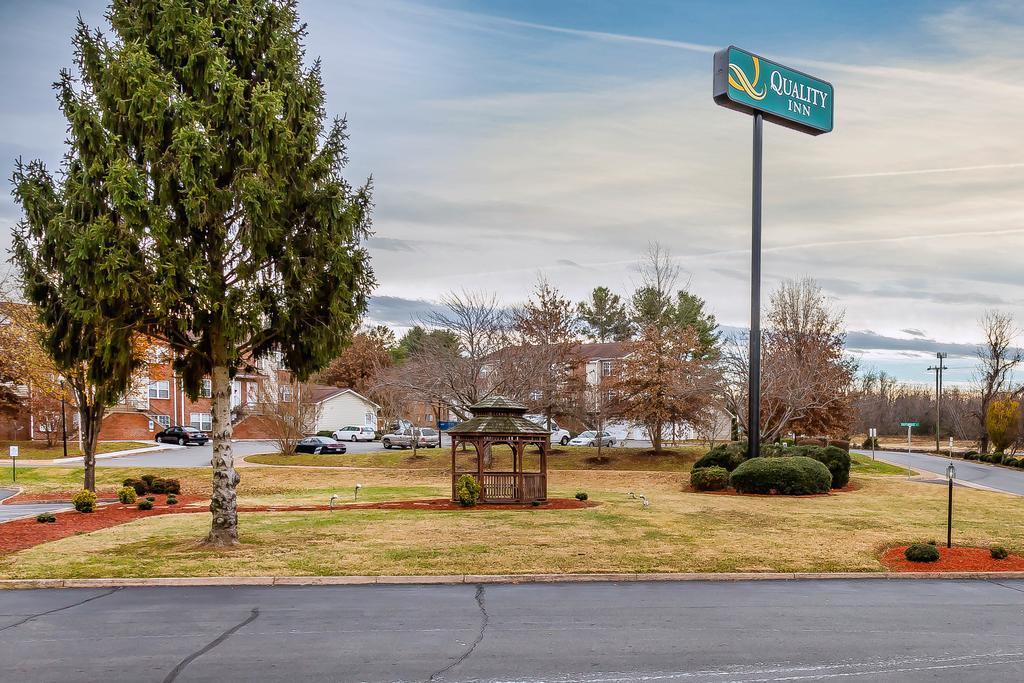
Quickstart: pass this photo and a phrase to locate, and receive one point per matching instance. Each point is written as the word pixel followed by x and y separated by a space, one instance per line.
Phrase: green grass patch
pixel 863 464
pixel 35 450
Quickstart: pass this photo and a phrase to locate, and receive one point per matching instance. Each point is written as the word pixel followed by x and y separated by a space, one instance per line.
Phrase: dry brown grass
pixel 681 531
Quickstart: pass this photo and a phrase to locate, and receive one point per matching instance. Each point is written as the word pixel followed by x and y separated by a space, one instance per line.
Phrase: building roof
pixel 318 393
pixel 604 350
pixel 498 415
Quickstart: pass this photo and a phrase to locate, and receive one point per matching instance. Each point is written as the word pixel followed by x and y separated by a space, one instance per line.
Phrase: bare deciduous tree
pixel 997 359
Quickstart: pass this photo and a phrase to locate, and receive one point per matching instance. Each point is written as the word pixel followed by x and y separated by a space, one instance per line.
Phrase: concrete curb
pixel 474 579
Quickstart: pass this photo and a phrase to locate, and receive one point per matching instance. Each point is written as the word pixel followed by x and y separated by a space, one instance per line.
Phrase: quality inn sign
pixel 749 83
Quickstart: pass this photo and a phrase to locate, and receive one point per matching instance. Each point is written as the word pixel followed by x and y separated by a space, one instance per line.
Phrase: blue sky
pixel 508 139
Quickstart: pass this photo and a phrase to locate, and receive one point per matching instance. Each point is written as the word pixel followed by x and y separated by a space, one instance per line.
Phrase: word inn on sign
pixel 749 83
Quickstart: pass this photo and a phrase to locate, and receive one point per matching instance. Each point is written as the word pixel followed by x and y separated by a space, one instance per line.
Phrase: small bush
pixel 870 442
pixel 921 552
pixel 998 552
pixel 581 495
pixel 158 486
pixel 839 443
pixel 149 479
pixel 84 501
pixel 834 458
pixel 172 486
pixel 793 476
pixel 140 486
pixel 971 455
pixel 151 498
pixel 709 479
pixel 145 504
pixel 46 518
pixel 810 441
pixel 467 490
pixel 535 503
pixel 172 500
pixel 126 494
pixel 725 455
pixel 933 542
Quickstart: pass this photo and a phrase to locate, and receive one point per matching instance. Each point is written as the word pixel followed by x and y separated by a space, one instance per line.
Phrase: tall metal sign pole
pixel 751 84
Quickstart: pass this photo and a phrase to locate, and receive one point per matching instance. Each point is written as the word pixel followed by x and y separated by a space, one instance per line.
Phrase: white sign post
pixel 872 437
pixel 14 461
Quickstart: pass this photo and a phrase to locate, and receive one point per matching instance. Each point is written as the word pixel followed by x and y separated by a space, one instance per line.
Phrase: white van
pixel 353 433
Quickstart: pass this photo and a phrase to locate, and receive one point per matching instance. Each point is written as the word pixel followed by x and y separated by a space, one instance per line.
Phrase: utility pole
pixel 937 369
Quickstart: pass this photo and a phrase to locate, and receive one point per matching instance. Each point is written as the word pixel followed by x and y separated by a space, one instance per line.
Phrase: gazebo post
pixel 480 467
pixel 520 479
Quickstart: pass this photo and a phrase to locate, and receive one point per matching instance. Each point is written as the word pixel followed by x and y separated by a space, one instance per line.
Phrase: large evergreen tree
pixel 605 316
pixel 67 251
pixel 209 133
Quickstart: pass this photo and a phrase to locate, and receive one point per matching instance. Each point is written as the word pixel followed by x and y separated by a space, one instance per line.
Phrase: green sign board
pixel 910 424
pixel 749 83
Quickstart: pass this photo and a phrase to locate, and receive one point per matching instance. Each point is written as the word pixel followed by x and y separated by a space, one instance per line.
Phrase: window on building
pixel 286 393
pixel 160 389
pixel 606 368
pixel 536 395
pixel 428 418
pixel 163 420
pixel 201 421
pixel 206 388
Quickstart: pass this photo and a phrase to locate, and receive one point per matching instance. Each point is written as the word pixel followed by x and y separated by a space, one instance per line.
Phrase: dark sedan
pixel 319 444
pixel 182 436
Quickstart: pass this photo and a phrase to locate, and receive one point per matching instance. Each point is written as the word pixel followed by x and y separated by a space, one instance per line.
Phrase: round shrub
pixel 467 490
pixel 709 479
pixel 172 500
pixel 126 494
pixel 791 476
pixel 834 458
pixel 971 455
pixel 172 486
pixel 810 441
pixel 998 552
pixel 84 501
pixel 140 486
pixel 870 442
pixel 581 495
pixel 726 455
pixel 149 479
pixel 145 504
pixel 921 552
pixel 151 498
pixel 839 443
pixel 46 518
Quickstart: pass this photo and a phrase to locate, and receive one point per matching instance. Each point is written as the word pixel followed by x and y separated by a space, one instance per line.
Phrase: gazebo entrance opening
pixel 499 421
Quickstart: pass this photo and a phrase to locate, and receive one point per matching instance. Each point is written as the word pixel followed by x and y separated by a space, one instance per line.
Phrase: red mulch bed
pixel 954 559
pixel 26 533
pixel 852 486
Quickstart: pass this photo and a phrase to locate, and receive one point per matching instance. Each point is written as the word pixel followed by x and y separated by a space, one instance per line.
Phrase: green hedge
pixel 709 479
pixel 834 458
pixel 921 552
pixel 792 476
pixel 726 455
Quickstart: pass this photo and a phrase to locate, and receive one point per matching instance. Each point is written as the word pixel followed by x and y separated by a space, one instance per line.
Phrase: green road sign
pixel 910 424
pixel 749 83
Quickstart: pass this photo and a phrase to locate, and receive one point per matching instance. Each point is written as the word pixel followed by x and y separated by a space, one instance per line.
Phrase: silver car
pixel 425 438
pixel 592 438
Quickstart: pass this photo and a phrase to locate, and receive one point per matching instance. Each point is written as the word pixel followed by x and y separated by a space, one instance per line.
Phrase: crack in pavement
pixel 176 671
pixel 59 609
pixel 1003 585
pixel 484 618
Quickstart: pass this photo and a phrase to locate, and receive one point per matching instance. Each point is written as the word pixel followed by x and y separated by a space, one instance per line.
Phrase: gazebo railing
pixel 500 487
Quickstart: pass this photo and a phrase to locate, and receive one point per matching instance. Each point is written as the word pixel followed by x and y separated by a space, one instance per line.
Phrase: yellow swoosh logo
pixel 741 82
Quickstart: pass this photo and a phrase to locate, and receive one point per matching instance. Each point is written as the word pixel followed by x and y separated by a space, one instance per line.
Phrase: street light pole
pixel 754 381
pixel 950 476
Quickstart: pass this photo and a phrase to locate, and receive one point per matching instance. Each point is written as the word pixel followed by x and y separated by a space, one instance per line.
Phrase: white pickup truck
pixel 558 435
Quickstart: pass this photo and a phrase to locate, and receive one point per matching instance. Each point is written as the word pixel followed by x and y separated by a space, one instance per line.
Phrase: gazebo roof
pixel 498 415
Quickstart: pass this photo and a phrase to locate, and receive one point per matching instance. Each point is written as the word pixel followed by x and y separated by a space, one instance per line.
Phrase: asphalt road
pixel 873 630
pixel 199 456
pixel 998 478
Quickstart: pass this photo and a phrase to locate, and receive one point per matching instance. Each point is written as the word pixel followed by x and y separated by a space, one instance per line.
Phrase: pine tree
pixel 209 135
pixel 690 313
pixel 605 316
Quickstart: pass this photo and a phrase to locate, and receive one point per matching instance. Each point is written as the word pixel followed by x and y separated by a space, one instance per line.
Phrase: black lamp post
pixel 950 476
pixel 63 419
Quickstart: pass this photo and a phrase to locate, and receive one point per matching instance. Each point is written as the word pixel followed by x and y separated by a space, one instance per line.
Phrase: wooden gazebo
pixel 499 420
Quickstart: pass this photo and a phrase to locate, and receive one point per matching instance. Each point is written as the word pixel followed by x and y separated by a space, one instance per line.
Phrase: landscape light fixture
pixel 358 486
pixel 334 497
pixel 950 476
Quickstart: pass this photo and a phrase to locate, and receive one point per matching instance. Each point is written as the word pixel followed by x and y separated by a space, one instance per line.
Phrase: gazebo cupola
pixel 499 420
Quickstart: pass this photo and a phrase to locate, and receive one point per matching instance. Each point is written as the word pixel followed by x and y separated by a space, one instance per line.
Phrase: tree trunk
pixel 90 415
pixel 223 503
pixel 655 434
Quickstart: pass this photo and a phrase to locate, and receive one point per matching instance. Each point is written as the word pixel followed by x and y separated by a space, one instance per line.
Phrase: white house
pixel 342 407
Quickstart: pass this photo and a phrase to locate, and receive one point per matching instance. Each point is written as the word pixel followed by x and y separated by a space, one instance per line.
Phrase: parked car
pixel 320 444
pixel 182 436
pixel 558 435
pixel 354 433
pixel 425 438
pixel 592 438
